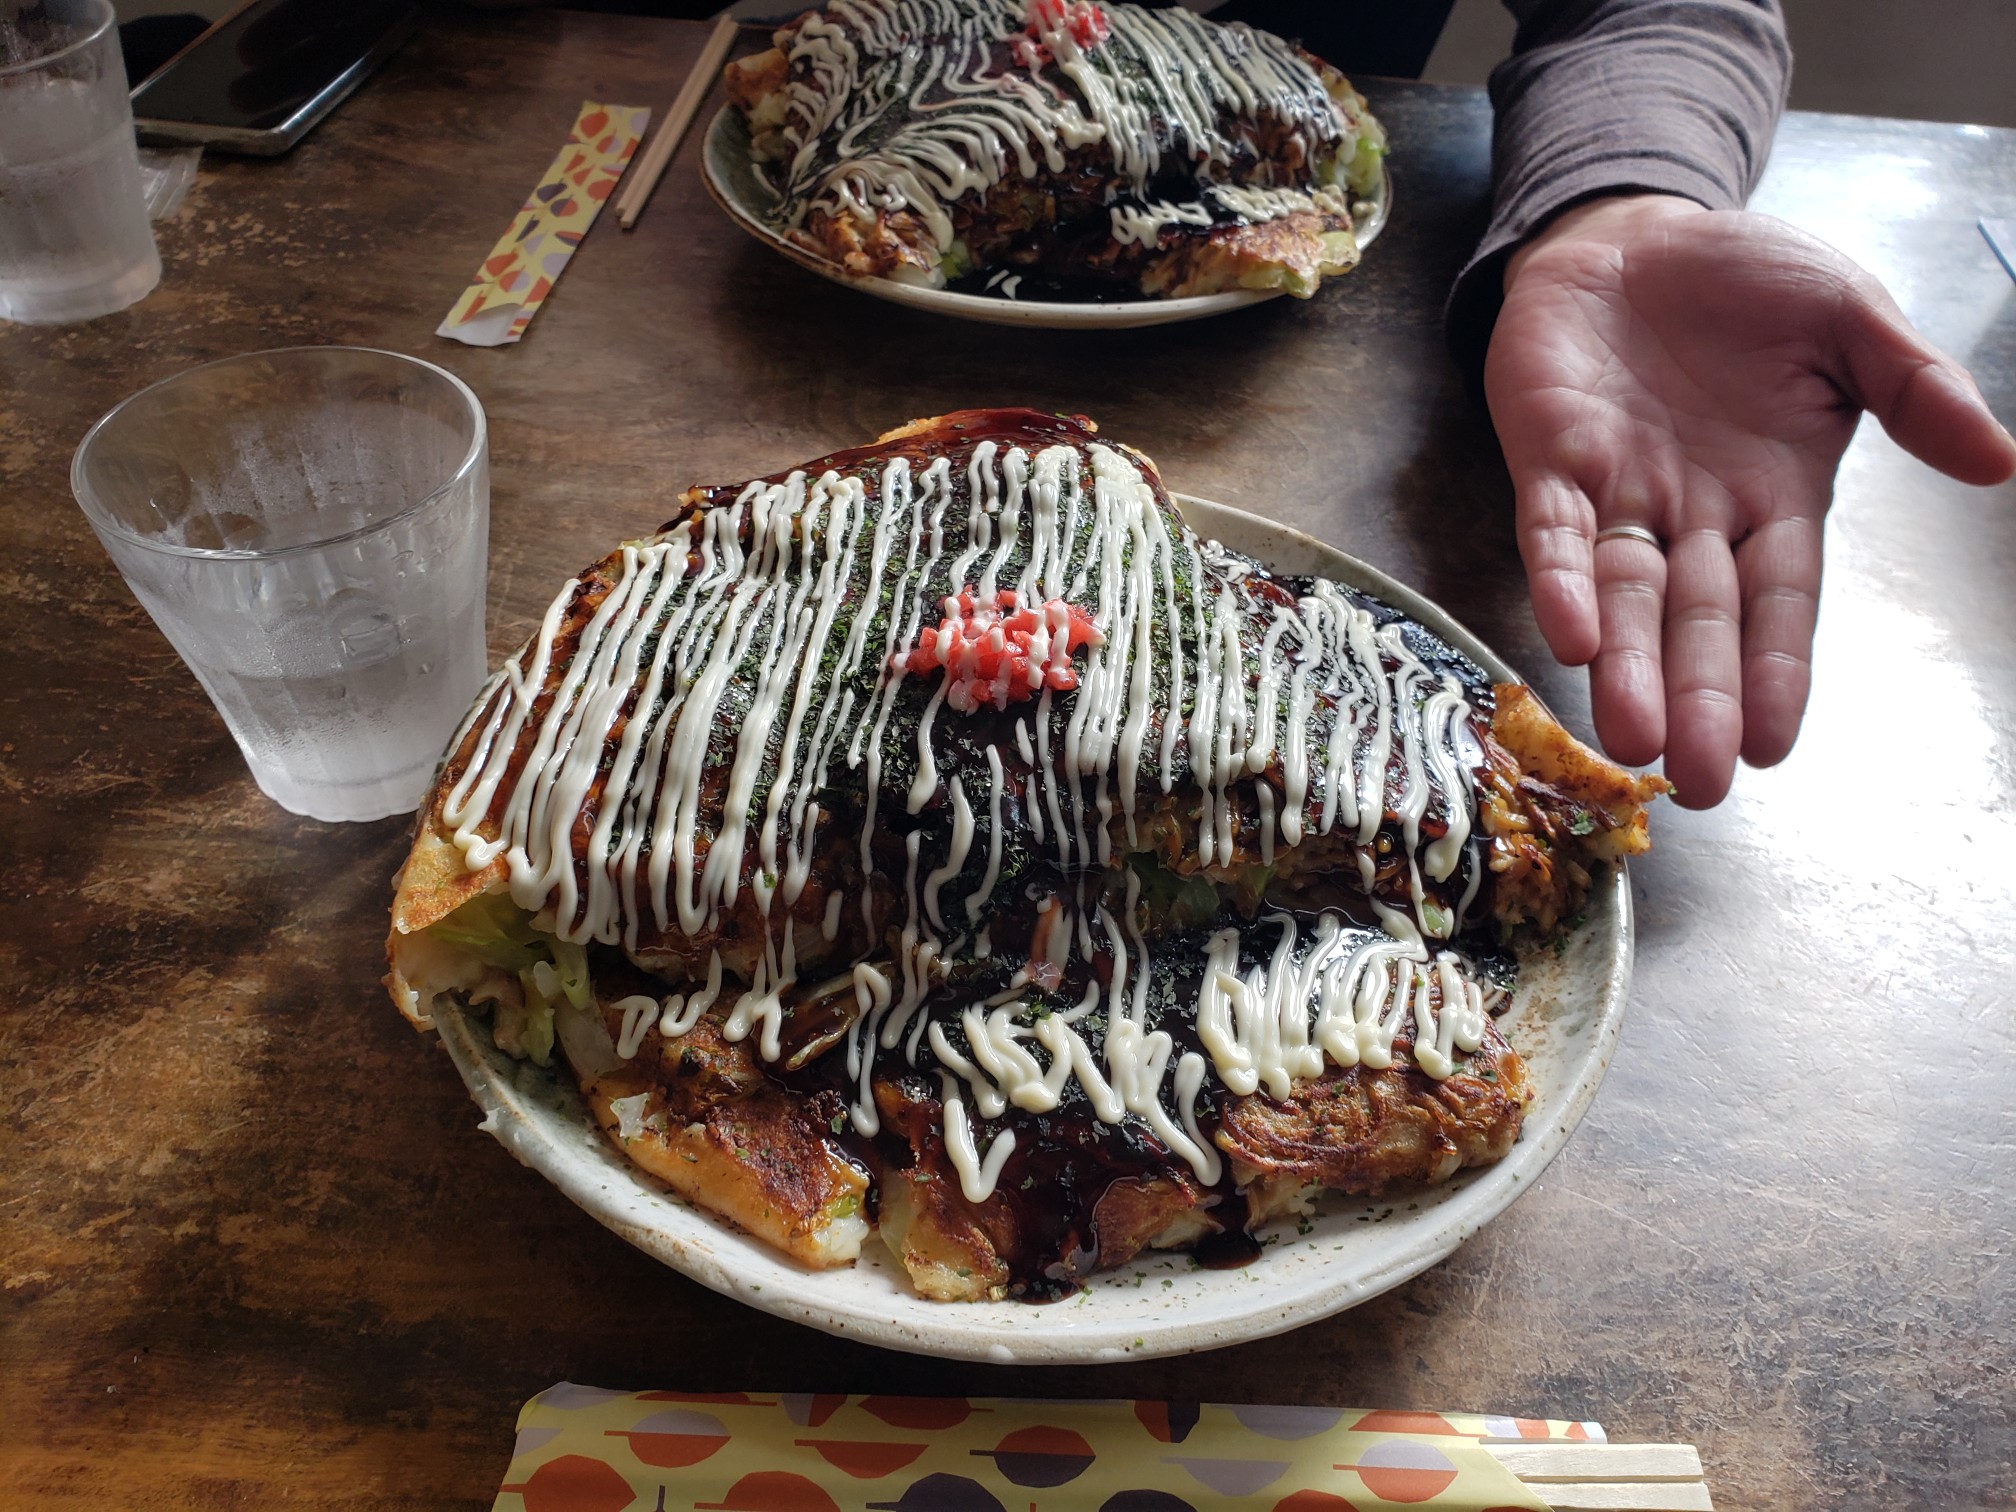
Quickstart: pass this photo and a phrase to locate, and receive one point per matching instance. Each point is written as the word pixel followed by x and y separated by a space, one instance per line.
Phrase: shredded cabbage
pixel 1364 171
pixel 570 964
pixel 524 1028
pixel 957 261
pixel 550 971
pixel 495 930
pixel 1174 903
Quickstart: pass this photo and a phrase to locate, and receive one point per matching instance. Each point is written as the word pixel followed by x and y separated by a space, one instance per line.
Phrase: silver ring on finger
pixel 1629 533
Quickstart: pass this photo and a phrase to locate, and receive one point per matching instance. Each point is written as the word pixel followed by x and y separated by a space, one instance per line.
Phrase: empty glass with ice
pixel 310 530
pixel 74 239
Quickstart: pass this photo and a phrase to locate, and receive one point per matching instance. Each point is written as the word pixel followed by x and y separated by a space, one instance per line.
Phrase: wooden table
pixel 254 1250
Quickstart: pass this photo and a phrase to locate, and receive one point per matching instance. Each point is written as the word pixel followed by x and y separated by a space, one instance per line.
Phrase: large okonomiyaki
pixel 1034 148
pixel 940 839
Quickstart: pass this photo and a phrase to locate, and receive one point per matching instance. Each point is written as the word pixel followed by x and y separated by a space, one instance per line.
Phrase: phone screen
pixel 260 67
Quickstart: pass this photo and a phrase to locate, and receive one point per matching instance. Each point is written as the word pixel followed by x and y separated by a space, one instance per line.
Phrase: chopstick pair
pixel 1573 1477
pixel 672 130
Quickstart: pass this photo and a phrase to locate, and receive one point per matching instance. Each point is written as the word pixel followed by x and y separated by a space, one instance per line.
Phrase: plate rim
pixel 1012 1332
pixel 727 131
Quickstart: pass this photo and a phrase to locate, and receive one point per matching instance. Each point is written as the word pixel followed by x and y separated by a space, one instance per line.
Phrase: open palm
pixel 1699 373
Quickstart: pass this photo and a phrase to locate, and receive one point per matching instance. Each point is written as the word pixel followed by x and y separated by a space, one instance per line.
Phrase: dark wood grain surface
pixel 254 1251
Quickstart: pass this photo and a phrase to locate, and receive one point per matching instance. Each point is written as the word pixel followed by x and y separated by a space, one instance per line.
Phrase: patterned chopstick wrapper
pixel 581 1449
pixel 520 271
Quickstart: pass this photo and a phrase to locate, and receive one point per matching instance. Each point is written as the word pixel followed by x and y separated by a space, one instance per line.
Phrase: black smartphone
pixel 260 79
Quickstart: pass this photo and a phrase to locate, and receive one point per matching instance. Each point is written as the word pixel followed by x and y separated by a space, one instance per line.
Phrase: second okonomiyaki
pixel 1058 149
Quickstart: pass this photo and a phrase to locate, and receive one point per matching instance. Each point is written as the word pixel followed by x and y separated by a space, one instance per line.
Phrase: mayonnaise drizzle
pixel 694 725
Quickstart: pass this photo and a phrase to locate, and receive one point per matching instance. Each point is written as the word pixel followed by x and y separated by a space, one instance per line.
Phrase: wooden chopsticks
pixel 1607 1477
pixel 644 177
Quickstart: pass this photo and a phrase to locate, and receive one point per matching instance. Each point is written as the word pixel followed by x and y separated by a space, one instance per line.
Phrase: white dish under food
pixel 739 189
pixel 1564 1020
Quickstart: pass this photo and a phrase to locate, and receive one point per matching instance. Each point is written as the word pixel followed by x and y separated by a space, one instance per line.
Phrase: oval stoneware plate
pixel 1564 1020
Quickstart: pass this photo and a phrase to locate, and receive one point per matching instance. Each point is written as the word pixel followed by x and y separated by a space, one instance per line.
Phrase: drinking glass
pixel 310 529
pixel 74 239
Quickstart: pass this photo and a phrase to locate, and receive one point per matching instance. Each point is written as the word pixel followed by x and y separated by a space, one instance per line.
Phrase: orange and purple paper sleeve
pixel 585 1450
pixel 520 271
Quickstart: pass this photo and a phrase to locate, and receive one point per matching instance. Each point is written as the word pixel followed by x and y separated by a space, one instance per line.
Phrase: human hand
pixel 1698 373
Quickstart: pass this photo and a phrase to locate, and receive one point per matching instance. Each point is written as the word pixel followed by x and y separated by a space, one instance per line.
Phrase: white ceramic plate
pixel 1564 1020
pixel 740 190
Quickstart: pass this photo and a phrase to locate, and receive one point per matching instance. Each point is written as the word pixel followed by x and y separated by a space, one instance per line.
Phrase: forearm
pixel 1675 97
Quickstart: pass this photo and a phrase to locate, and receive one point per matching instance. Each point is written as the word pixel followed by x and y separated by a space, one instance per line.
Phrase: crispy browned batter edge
pixel 1553 809
pixel 721 1133
pixel 1354 1129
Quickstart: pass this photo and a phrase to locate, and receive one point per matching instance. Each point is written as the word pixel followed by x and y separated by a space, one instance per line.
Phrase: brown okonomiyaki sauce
pixel 1065 1161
